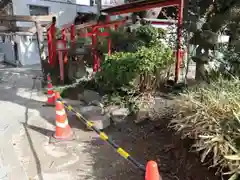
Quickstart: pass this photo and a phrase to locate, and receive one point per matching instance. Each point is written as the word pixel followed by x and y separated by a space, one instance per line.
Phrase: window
pixel 38 10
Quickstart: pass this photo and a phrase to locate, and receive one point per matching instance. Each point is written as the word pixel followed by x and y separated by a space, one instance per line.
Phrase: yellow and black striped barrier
pixel 104 137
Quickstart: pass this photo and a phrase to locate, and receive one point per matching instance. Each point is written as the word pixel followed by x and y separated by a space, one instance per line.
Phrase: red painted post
pixel 72 32
pixel 94 44
pixel 109 46
pixel 179 38
pixel 61 65
pixel 49 39
pixel 64 39
pixel 54 46
pixel 109 40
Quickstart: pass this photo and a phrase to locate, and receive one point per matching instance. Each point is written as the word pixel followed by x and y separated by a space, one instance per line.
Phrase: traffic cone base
pixel 69 136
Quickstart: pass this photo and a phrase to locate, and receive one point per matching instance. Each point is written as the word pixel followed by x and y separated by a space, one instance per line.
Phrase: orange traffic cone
pixel 152 171
pixel 63 130
pixel 50 92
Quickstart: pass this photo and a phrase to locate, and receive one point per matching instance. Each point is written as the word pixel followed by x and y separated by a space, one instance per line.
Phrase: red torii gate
pixel 122 9
pixel 149 4
pixel 53 43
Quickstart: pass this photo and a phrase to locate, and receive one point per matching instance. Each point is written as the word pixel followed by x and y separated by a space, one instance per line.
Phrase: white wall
pixel 63 12
pixel 28 52
pixel 83 2
pixel 27 49
pixel 7 49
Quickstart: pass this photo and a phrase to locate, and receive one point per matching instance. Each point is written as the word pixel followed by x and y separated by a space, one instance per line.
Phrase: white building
pixel 64 10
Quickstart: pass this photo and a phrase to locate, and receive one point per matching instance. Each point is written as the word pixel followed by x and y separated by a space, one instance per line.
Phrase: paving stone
pixel 91 110
pixel 90 96
pixel 100 121
pixel 141 116
pixel 119 115
pixel 74 102
pixel 96 115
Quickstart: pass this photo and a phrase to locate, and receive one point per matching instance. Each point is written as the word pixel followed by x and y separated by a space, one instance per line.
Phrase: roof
pixel 140 6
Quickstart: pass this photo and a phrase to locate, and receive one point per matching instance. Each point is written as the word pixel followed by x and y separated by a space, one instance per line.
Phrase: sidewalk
pixel 12 81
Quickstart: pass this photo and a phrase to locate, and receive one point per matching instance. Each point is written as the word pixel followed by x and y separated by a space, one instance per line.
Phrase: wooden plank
pixel 17 29
pixel 26 18
pixel 24 29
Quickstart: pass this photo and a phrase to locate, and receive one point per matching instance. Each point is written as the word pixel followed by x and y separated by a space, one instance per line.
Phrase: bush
pixel 133 69
pixel 211 116
pixel 136 70
pixel 123 41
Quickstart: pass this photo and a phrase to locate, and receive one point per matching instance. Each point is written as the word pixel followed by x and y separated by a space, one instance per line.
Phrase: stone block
pixel 100 121
pixel 119 115
pixel 74 102
pixel 91 110
pixel 96 115
pixel 141 116
pixel 90 96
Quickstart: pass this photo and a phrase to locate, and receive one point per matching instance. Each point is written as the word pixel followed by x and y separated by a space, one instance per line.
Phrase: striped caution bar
pixel 104 137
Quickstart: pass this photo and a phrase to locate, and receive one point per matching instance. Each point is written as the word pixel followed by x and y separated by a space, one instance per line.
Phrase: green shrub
pixel 117 71
pixel 123 41
pixel 136 70
pixel 133 69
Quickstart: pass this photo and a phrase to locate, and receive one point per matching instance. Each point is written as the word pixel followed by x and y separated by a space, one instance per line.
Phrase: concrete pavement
pixel 15 87
pixel 25 128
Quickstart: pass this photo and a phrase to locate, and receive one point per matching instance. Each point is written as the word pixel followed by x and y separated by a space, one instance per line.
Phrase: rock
pixel 74 102
pixel 96 115
pixel 110 109
pixel 89 110
pixel 146 108
pixel 97 103
pixel 141 116
pixel 119 115
pixel 90 96
pixel 80 97
pixel 100 121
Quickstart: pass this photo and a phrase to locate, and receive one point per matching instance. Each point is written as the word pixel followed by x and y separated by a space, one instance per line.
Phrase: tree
pixel 204 19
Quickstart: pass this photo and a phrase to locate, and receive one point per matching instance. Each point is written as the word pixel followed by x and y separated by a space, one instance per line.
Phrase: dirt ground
pixel 152 140
pixel 87 157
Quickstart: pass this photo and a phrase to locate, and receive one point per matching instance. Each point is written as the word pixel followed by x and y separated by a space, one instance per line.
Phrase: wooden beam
pixel 17 29
pixel 17 33
pixel 26 18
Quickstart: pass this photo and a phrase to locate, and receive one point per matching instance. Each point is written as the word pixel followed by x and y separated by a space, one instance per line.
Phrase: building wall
pixel 7 49
pixel 62 9
pixel 27 47
pixel 64 12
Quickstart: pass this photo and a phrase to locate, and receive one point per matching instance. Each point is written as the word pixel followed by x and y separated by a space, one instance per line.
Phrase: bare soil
pixel 152 140
pixel 155 141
